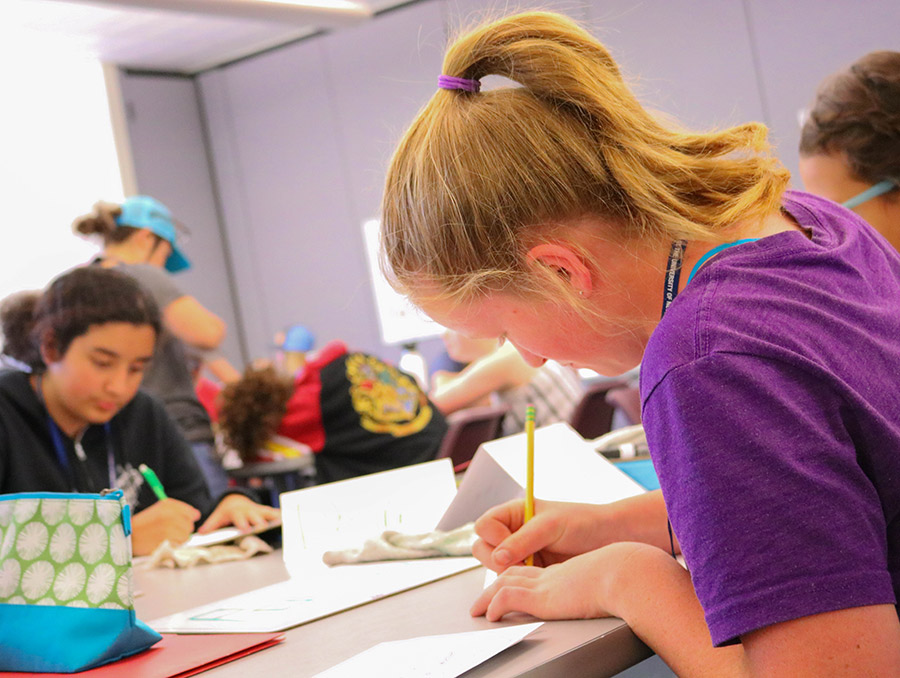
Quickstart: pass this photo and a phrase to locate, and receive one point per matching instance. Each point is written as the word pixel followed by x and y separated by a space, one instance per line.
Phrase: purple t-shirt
pixel 770 404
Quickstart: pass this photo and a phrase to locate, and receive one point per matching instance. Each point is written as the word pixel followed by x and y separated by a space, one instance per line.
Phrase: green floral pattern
pixel 61 551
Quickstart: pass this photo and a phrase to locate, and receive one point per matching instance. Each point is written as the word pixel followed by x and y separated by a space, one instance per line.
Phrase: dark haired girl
pixel 77 422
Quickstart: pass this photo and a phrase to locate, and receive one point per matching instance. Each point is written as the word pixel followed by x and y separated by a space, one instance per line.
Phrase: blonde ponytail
pixel 476 172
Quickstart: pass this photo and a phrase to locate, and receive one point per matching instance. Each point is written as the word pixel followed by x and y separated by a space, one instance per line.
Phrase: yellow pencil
pixel 529 473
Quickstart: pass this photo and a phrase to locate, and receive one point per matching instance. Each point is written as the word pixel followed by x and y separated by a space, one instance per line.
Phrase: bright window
pixel 57 156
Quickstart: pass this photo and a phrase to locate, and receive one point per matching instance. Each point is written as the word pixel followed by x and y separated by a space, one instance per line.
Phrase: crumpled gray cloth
pixel 397 546
pixel 167 555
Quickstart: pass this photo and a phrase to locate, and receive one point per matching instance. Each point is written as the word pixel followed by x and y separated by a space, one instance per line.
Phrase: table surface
pixel 585 648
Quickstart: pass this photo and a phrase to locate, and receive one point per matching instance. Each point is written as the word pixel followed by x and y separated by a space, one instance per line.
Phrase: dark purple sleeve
pixel 775 517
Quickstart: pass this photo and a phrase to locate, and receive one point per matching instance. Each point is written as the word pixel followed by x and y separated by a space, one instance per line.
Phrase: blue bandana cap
pixel 298 338
pixel 142 211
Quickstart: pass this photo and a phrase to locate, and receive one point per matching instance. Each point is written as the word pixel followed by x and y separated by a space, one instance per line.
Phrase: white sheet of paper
pixel 226 534
pixel 444 656
pixel 566 468
pixel 333 516
pixel 291 603
pixel 344 514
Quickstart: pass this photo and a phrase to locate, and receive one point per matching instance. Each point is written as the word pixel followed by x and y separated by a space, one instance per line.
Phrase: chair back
pixel 627 399
pixel 467 429
pixel 278 476
pixel 593 415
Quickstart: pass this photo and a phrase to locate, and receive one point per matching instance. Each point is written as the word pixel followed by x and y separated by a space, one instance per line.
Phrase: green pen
pixel 153 481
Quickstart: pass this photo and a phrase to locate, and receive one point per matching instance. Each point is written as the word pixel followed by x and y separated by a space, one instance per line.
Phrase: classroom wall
pixel 798 44
pixel 299 137
pixel 170 163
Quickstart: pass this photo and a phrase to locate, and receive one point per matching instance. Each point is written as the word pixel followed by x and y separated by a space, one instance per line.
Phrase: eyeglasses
pixel 880 188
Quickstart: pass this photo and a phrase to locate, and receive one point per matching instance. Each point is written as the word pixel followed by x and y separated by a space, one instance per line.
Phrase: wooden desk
pixel 593 648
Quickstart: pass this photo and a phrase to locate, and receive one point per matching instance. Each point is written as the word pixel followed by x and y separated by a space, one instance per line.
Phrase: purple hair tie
pixel 452 82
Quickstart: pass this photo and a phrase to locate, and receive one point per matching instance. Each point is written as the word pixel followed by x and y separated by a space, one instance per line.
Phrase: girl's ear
pixel 49 350
pixel 567 263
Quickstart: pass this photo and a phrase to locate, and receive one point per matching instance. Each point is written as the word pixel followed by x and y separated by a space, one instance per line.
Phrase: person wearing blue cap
pixel 141 238
pixel 292 346
pixel 140 230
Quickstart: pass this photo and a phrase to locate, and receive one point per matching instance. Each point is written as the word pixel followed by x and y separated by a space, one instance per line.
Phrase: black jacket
pixel 141 432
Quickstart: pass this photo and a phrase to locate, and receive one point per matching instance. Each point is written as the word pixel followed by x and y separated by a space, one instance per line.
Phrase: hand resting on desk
pixel 174 520
pixel 587 555
pixel 582 587
pixel 637 582
pixel 240 511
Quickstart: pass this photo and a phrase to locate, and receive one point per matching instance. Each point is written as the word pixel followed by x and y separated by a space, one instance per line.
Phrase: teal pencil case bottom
pixel 51 638
pixel 641 471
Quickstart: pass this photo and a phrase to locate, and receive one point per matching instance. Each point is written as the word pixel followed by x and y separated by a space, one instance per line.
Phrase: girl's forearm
pixel 642 519
pixel 655 596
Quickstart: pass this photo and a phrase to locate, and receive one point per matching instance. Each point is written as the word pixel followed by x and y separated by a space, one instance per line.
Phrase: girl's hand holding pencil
pixel 167 519
pixel 510 534
pixel 558 531
pixel 568 542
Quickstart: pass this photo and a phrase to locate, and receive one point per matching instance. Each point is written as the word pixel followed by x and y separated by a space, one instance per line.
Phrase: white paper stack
pixel 412 500
pixel 566 468
pixel 337 516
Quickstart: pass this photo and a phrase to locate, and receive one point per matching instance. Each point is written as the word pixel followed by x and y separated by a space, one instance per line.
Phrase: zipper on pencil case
pixel 109 495
pixel 105 494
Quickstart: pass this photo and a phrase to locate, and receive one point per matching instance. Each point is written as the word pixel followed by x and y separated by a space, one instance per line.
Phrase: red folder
pixel 177 656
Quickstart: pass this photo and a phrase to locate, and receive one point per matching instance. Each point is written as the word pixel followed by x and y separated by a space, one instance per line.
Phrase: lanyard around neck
pixel 714 251
pixel 673 267
pixel 59 446
pixel 670 291
pixel 673 274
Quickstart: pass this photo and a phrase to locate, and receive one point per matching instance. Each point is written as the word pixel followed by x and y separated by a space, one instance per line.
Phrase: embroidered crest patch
pixel 386 400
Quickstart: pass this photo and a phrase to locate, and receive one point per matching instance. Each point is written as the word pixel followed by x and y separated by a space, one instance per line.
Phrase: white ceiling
pixel 155 39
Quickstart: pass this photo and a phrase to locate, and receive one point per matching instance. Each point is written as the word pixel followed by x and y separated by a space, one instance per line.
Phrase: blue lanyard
pixel 880 188
pixel 63 458
pixel 59 447
pixel 714 251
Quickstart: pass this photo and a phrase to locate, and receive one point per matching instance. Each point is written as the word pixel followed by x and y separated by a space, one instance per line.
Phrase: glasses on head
pixel 880 188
